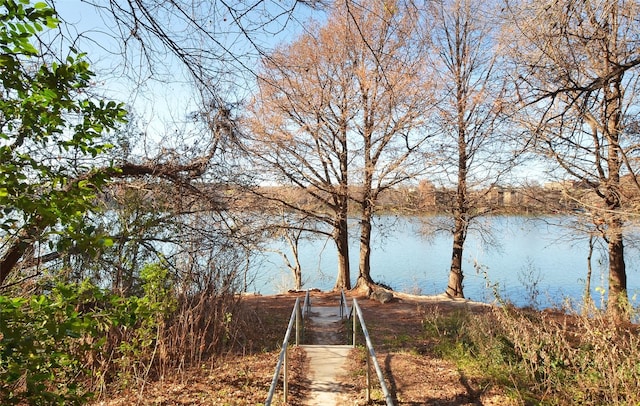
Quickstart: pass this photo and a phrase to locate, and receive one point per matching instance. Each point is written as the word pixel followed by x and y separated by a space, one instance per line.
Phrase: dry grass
pixel 414 373
pixel 432 353
pixel 575 359
pixel 235 368
pixel 545 357
pixel 238 381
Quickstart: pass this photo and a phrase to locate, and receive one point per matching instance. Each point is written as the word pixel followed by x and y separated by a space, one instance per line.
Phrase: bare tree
pixel 339 114
pixel 475 154
pixel 299 125
pixel 294 230
pixel 390 64
pixel 576 76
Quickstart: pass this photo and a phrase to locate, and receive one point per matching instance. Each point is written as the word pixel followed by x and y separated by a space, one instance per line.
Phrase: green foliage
pixel 51 344
pixel 44 340
pixel 20 22
pixel 51 129
pixel 149 313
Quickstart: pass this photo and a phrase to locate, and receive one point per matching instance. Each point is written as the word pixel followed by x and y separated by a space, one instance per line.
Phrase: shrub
pixel 58 346
pixel 138 335
pixel 44 340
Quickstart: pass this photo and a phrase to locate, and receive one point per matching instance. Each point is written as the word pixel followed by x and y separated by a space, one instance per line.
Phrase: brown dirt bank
pixel 414 374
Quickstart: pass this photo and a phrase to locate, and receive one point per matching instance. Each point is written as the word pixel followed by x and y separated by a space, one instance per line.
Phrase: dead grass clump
pixel 200 332
pixel 546 357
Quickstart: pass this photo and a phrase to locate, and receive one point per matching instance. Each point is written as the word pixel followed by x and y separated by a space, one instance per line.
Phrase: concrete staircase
pixel 327 356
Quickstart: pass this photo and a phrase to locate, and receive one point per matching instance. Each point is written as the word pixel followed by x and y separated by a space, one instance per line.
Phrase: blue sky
pixel 164 100
pixel 165 96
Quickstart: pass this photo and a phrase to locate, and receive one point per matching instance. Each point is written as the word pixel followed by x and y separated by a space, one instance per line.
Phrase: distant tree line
pixel 427 199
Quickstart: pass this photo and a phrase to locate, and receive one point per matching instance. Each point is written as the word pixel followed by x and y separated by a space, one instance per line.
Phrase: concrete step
pixel 326 363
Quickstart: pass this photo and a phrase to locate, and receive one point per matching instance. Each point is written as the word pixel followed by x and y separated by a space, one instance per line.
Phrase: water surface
pixel 526 260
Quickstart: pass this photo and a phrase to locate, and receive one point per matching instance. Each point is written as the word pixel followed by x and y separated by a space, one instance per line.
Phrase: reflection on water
pixel 528 261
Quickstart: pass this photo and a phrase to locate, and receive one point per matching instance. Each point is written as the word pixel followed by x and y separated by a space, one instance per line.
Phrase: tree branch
pixel 25 240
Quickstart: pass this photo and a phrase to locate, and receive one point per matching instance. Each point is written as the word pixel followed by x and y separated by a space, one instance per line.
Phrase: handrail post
pixel 371 353
pixel 285 378
pixel 354 316
pixel 368 377
pixel 307 304
pixel 282 359
pixel 299 324
pixel 344 305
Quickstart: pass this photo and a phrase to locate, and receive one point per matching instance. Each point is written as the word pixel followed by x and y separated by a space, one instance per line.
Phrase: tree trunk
pixel 23 243
pixel 296 268
pixel 11 258
pixel 341 238
pixel 461 208
pixel 588 300
pixel 454 287
pixel 364 268
pixel 617 303
pixel 297 276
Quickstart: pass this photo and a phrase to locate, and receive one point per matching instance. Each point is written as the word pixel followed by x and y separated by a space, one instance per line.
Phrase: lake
pixel 529 261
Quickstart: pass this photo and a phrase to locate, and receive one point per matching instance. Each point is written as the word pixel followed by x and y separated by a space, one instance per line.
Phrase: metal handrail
pixel 371 355
pixel 301 315
pixel 298 315
pixel 306 306
pixel 344 305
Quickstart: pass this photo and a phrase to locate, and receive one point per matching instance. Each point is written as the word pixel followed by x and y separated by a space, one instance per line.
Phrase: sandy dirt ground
pixel 413 373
